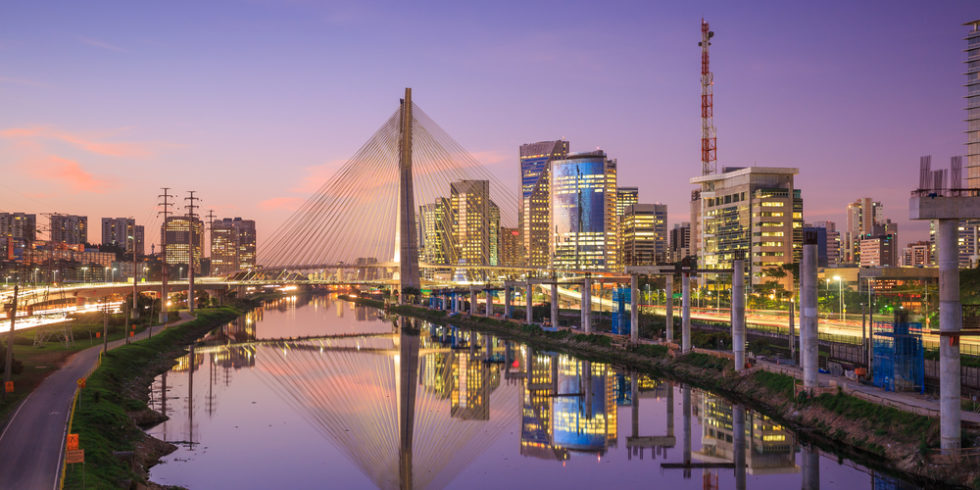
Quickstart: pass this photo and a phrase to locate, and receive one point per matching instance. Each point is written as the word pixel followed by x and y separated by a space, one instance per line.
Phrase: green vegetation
pixel 706 361
pixel 775 382
pixel 102 417
pixel 879 418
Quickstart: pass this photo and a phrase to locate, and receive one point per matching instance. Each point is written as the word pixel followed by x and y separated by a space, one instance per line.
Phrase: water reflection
pixel 415 405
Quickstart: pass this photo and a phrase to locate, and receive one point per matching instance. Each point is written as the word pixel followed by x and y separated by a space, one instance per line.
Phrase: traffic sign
pixel 81 382
pixel 75 456
pixel 8 387
pixel 72 442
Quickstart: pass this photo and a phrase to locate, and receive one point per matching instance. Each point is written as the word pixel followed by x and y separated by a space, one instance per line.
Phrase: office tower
pixel 644 232
pixel 583 212
pixel 511 247
pixel 625 197
pixel 917 254
pixel 973 105
pixel 821 233
pixel 69 228
pixel 535 206
pixel 879 251
pixel 180 235
pixel 680 241
pixel 755 212
pixel 494 234
pixel 472 220
pixel 862 216
pixel 436 233
pixel 833 243
pixel 232 246
pixel 968 237
pixel 120 231
pixel 17 232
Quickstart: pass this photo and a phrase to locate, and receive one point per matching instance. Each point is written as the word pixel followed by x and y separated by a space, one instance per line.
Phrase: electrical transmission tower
pixel 191 216
pixel 165 270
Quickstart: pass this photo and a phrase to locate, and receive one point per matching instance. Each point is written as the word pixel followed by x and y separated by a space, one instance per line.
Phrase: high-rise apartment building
pixel 535 207
pixel 625 197
pixel 121 232
pixel 879 251
pixel 436 233
pixel 511 247
pixel 232 246
pixel 917 254
pixel 17 231
pixel 753 212
pixel 680 241
pixel 834 243
pixel 181 236
pixel 472 213
pixel 583 212
pixel 973 105
pixel 862 216
pixel 69 228
pixel 494 231
pixel 644 234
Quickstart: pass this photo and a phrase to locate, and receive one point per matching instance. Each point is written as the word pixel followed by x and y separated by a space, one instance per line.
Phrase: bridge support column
pixel 554 304
pixel 473 297
pixel 669 308
pixel 811 467
pixel 950 323
pixel 686 409
pixel 738 427
pixel 489 303
pixel 530 305
pixel 685 312
pixel 808 311
pixel 587 304
pixel 738 316
pixel 634 309
pixel 507 311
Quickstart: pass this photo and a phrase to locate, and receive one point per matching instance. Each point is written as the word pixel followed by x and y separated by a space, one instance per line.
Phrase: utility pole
pixel 210 231
pixel 190 247
pixel 136 276
pixel 163 248
pixel 105 325
pixel 9 359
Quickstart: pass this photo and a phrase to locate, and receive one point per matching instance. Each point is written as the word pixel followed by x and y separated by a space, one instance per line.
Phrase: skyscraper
pixel 625 197
pixel 755 212
pixel 181 234
pixel 117 231
pixel 69 228
pixel 232 246
pixel 879 251
pixel 583 212
pixel 472 221
pixel 973 105
pixel 535 206
pixel 17 231
pixel 436 245
pixel 862 216
pixel 511 247
pixel 644 234
pixel 680 241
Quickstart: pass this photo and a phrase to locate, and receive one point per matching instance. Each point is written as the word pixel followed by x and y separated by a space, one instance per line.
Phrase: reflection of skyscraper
pixel 535 200
pixel 539 389
pixel 771 448
pixel 472 382
pixel 436 372
pixel 584 410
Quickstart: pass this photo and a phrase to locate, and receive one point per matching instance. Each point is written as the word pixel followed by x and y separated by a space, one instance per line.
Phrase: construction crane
pixel 709 141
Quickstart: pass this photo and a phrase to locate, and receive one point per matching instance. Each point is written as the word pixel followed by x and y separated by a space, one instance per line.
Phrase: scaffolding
pixel 898 363
pixel 620 315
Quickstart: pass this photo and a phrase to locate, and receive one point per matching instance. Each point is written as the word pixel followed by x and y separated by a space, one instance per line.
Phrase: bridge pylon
pixel 407 237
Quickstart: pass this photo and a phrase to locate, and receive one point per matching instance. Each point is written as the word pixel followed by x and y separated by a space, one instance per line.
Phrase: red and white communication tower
pixel 709 141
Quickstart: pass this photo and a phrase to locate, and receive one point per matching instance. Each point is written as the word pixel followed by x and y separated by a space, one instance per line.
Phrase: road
pixel 31 444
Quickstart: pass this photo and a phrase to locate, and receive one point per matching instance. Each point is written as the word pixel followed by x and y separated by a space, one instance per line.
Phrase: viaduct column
pixel 507 311
pixel 669 307
pixel 685 312
pixel 554 304
pixel 738 314
pixel 587 304
pixel 808 311
pixel 530 305
pixel 950 322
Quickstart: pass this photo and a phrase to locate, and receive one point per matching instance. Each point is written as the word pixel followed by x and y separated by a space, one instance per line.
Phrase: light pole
pixel 840 295
pixel 84 275
pixel 105 274
pixel 113 274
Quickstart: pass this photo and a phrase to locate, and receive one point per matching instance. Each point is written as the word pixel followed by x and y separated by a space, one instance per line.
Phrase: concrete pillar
pixel 489 303
pixel 792 331
pixel 738 429
pixel 811 467
pixel 635 403
pixel 507 311
pixel 634 309
pixel 554 304
pixel 685 312
pixel 738 314
pixel 808 312
pixel 587 305
pixel 669 306
pixel 950 323
pixel 530 310
pixel 686 409
pixel 473 298
pixel 670 410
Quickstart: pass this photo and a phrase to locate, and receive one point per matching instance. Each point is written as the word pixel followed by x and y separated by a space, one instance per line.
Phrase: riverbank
pixel 112 408
pixel 881 437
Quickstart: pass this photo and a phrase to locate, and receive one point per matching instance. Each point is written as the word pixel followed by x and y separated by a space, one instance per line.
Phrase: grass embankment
pixel 115 397
pixel 881 437
pixel 41 351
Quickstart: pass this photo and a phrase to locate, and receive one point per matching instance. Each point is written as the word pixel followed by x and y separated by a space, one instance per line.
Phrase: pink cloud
pixel 91 145
pixel 69 172
pixel 316 176
pixel 285 203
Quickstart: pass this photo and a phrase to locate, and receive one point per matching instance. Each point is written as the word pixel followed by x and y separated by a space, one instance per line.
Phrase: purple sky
pixel 254 103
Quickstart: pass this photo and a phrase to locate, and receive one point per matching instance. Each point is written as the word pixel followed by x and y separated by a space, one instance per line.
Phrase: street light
pixel 841 295
pixel 84 275
pixel 113 274
pixel 105 276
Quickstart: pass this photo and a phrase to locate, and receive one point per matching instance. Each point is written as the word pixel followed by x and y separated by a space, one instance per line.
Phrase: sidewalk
pixel 32 444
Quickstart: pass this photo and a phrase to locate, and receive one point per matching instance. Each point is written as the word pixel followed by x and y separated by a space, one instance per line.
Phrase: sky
pixel 253 104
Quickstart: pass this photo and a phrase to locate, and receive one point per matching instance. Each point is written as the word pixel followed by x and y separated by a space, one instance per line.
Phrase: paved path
pixel 31 444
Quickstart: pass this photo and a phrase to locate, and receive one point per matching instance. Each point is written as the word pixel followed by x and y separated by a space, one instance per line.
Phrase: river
pixel 357 400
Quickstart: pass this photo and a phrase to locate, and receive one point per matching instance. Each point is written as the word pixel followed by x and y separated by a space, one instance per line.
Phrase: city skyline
pixel 815 100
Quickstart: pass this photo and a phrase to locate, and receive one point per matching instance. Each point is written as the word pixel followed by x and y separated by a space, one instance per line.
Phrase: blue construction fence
pixel 898 362
pixel 620 313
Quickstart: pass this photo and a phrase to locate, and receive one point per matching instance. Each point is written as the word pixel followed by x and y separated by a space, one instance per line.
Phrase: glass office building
pixel 583 212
